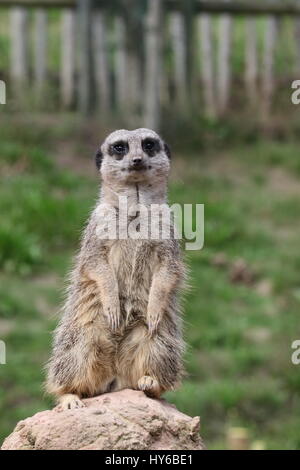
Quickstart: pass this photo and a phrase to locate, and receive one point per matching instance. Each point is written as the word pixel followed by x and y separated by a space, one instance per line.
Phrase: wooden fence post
pixel 268 82
pixel 120 64
pixel 297 40
pixel 189 15
pixel 204 29
pixel 251 67
pixel 67 63
pixel 224 62
pixel 166 82
pixel 19 50
pixel 134 50
pixel 178 41
pixel 85 69
pixel 40 52
pixel 101 64
pixel 153 64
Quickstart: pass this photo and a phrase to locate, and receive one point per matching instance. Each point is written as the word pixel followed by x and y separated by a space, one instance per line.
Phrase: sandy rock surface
pixel 125 420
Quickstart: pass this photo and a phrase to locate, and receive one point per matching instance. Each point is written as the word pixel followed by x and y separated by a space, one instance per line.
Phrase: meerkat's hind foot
pixel 70 401
pixel 150 386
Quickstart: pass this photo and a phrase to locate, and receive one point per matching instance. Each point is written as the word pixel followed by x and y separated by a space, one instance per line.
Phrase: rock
pixel 220 260
pixel 125 420
pixel 264 287
pixel 240 272
pixel 259 335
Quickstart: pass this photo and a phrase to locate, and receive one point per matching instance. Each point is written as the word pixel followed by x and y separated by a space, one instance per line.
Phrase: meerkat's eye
pixel 119 149
pixel 150 146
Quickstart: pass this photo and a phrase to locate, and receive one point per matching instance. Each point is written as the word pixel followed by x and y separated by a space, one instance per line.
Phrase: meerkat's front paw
pixel 150 386
pixel 113 316
pixel 70 402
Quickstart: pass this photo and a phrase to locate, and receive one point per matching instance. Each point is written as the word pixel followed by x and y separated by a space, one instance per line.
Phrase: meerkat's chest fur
pixel 133 262
pixel 133 259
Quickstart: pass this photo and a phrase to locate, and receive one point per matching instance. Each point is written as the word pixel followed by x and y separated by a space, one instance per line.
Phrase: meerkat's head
pixel 130 157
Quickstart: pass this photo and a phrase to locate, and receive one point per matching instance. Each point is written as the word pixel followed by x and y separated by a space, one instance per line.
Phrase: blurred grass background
pixel 241 314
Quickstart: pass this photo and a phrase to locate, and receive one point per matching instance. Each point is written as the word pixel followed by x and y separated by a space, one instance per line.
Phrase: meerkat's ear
pixel 98 158
pixel 167 150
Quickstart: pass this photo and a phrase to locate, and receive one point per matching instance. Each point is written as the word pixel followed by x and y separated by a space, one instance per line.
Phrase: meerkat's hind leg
pixel 70 401
pixel 150 386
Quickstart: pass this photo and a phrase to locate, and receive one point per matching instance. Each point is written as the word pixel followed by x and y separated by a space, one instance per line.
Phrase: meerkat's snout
pixel 138 164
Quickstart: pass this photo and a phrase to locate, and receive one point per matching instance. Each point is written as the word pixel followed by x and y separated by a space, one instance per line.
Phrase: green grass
pixel 239 371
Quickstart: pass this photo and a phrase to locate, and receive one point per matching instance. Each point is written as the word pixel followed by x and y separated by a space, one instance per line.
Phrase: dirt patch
pixel 283 182
pixel 214 165
pixel 68 157
pixel 6 326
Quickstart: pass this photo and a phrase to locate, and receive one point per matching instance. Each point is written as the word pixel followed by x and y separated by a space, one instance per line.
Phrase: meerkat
pixel 121 322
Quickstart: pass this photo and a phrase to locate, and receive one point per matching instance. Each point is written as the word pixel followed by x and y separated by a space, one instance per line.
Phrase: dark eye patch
pixel 167 150
pixel 118 149
pixel 151 146
pixel 99 158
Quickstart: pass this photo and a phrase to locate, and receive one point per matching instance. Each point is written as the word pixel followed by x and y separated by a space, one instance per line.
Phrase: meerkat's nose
pixel 137 161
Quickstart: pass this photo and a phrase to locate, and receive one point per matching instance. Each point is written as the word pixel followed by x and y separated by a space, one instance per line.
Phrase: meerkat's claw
pixel 153 326
pixel 151 329
pixel 149 385
pixel 113 318
pixel 70 402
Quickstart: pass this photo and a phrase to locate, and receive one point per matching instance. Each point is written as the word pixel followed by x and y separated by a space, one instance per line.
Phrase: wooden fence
pixel 136 57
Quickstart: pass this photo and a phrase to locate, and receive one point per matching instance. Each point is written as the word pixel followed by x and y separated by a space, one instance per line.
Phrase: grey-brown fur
pixel 121 323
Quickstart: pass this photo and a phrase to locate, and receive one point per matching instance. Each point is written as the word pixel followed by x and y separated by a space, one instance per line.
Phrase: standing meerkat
pixel 121 322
